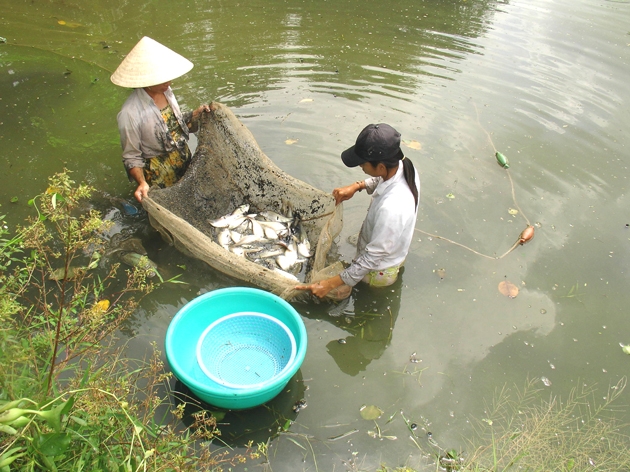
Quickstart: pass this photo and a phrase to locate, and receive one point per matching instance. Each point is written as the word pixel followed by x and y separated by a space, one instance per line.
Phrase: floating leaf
pixel 61 22
pixel 441 273
pixel 626 348
pixel 513 211
pixel 450 195
pixel 290 141
pixel 508 289
pixel 14 199
pixel 370 412
pixel 306 100
pixel 413 144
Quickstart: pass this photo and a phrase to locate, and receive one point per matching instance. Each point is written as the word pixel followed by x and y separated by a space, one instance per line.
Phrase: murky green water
pixel 543 82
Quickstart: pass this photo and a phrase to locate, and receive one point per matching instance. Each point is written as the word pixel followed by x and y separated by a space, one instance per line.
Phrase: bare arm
pixel 322 287
pixel 342 194
pixel 143 187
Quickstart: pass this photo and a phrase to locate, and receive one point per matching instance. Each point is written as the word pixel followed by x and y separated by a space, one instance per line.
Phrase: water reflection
pixel 239 427
pixel 369 316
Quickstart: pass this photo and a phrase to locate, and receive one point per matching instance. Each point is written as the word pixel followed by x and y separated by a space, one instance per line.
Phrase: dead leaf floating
pixel 371 412
pixel 69 24
pixel 508 289
pixel 413 144
pixel 306 100
pixel 290 141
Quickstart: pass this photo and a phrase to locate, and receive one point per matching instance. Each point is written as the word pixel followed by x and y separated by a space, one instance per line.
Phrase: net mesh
pixel 229 169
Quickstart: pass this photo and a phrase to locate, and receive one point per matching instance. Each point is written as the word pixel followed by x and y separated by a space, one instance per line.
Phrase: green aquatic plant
pixel 524 432
pixel 70 399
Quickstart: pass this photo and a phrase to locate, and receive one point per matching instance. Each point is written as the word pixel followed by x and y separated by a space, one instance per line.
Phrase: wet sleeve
pixel 130 139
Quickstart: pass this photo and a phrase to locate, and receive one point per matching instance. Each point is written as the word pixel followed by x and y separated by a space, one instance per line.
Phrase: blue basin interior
pixel 195 317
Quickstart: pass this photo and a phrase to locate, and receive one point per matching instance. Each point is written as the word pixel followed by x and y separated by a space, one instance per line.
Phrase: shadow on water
pixel 257 425
pixel 368 316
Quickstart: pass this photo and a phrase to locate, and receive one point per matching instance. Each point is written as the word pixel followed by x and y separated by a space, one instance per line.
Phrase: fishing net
pixel 229 170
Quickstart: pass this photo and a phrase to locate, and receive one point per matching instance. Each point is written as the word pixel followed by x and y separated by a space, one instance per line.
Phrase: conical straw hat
pixel 150 63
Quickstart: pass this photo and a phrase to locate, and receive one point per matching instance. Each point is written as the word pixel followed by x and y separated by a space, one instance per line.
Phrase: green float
pixel 502 160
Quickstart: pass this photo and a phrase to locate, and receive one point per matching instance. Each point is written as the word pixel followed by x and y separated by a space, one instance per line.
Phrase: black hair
pixel 408 171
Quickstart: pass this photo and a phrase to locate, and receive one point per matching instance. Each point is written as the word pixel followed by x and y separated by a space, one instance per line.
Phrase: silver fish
pixel 273 216
pixel 270 252
pixel 257 229
pixel 289 258
pixel 303 244
pixel 249 239
pixel 224 239
pixel 270 233
pixel 275 225
pixel 226 221
pixel 235 236
pixel 237 221
pixel 232 218
pixel 243 226
pixel 241 210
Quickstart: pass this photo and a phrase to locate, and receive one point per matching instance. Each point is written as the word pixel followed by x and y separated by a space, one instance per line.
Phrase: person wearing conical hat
pixel 153 130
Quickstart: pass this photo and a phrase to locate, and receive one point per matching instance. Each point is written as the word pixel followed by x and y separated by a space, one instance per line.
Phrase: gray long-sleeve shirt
pixel 143 132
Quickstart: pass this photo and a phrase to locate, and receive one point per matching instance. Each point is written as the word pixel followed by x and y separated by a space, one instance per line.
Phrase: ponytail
pixel 409 172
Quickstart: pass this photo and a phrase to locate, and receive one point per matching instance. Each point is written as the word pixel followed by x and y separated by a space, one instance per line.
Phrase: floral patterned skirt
pixel 164 171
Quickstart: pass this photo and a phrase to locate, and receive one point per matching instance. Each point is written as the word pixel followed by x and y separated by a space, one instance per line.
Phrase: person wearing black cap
pixel 388 228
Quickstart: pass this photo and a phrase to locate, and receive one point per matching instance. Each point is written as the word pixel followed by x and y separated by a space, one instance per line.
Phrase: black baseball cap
pixel 375 143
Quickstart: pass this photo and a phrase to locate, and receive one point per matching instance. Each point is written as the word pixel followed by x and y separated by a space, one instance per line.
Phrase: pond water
pixel 544 82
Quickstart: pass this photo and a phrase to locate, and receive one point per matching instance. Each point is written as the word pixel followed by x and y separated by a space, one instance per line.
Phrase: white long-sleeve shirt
pixel 388 228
